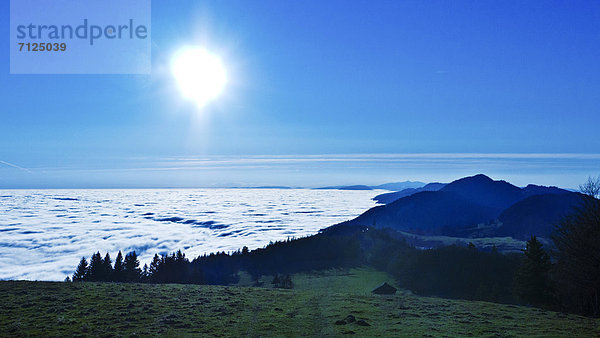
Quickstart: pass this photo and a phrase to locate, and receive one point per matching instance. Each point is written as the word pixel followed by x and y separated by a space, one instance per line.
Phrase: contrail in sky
pixel 16 166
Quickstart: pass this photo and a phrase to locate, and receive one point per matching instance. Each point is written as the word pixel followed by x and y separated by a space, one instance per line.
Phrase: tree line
pixel 102 270
pixel 322 251
pixel 457 272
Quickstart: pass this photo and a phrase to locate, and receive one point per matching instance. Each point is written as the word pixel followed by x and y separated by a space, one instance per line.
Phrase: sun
pixel 200 75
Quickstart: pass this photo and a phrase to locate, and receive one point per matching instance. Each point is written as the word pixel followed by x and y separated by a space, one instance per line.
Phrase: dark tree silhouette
pixel 282 281
pixel 591 187
pixel 577 241
pixel 119 270
pixel 456 272
pixel 82 269
pixel 145 274
pixel 276 280
pixel 107 269
pixel 153 269
pixel 95 270
pixel 532 279
pixel 132 267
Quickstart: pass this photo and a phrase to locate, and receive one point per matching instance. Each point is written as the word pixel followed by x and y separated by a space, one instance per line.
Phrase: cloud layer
pixel 44 233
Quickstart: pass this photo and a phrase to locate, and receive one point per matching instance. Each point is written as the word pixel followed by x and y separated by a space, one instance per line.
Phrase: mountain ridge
pixel 393 196
pixel 473 206
pixel 393 186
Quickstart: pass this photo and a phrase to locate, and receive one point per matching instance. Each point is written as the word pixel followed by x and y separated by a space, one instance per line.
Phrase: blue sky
pixel 359 82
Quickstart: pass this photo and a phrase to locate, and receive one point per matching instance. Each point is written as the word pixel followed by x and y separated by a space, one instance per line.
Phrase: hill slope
pixel 319 301
pixel 536 215
pixel 427 212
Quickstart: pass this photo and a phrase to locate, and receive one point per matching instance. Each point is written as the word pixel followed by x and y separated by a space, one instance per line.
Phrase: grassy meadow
pixel 324 303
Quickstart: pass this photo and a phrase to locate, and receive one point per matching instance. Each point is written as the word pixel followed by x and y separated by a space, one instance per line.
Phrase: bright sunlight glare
pixel 200 75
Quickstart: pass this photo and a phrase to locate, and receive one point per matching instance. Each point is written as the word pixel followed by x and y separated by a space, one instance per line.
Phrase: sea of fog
pixel 44 233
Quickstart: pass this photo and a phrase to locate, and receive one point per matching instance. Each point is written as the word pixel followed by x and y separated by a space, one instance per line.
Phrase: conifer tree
pixel 532 280
pixel 145 274
pixel 118 271
pixel 95 270
pixel 180 256
pixel 132 267
pixel 107 270
pixel 153 270
pixel 81 272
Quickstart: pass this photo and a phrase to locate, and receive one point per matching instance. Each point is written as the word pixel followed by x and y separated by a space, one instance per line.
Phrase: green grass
pixel 311 308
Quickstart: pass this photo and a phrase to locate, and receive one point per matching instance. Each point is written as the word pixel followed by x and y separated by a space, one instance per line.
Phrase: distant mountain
pixel 398 186
pixel 473 206
pixel 537 215
pixel 393 196
pixel 271 187
pixel 497 194
pixel 484 190
pixel 533 189
pixel 260 187
pixel 427 212
pixel 356 187
pixel 347 187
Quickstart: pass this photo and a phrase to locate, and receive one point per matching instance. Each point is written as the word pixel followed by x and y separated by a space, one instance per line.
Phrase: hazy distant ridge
pixel 393 196
pixel 395 186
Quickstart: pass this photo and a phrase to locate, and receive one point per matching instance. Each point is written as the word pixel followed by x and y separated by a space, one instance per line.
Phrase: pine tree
pixel 118 271
pixel 180 256
pixel 82 269
pixel 95 270
pixel 107 270
pixel 132 267
pixel 153 270
pixel 145 274
pixel 532 281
